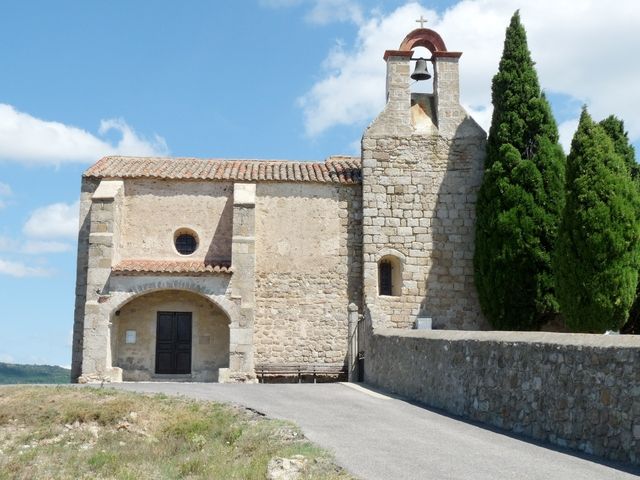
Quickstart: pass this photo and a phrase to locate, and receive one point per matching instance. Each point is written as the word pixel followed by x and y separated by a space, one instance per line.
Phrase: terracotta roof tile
pixel 340 169
pixel 136 266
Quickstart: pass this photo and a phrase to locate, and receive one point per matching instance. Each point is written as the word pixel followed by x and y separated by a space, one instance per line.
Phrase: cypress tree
pixel 598 251
pixel 521 196
pixel 614 127
pixel 621 144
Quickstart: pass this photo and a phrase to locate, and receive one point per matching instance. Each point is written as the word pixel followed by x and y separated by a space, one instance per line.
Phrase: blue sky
pixel 285 79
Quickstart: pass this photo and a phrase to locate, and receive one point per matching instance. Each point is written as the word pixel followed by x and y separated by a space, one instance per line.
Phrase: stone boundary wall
pixel 573 390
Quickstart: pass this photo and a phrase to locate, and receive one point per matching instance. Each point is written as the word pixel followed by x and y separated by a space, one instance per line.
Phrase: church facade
pixel 202 269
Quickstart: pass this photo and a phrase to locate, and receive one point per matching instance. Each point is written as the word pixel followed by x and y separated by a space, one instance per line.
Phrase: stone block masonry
pixel 419 198
pixel 275 268
pixel 575 391
pixel 419 187
pixel 308 270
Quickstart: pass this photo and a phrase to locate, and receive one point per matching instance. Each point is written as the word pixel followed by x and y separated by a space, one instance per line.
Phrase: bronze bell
pixel 421 72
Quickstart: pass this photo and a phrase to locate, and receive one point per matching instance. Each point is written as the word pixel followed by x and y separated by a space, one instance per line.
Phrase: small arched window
pixel 389 276
pixel 385 275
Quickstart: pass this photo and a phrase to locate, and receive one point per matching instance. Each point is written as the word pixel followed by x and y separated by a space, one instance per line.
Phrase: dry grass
pixel 85 433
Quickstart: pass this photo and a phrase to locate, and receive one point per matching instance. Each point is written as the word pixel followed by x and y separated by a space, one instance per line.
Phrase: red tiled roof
pixel 341 169
pixel 129 267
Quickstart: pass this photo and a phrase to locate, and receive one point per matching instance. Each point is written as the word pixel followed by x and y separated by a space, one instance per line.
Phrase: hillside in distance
pixel 13 373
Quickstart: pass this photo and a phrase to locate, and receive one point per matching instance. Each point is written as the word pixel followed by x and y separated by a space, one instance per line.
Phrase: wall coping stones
pixel 572 339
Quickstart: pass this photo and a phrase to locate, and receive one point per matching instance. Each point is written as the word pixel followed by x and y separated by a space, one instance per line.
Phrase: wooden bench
pixel 300 369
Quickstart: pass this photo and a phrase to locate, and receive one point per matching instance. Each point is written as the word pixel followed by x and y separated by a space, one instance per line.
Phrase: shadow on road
pixel 623 467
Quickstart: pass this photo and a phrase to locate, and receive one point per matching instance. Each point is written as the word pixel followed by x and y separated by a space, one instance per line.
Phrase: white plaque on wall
pixel 130 336
pixel 423 323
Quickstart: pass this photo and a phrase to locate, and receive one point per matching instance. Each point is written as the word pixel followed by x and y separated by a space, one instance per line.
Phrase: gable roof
pixel 337 169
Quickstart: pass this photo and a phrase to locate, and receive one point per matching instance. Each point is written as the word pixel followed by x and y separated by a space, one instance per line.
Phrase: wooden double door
pixel 173 343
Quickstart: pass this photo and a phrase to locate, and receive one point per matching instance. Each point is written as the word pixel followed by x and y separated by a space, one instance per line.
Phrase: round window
pixel 185 242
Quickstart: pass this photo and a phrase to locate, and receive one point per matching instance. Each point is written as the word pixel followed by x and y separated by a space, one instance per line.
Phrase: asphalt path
pixel 378 437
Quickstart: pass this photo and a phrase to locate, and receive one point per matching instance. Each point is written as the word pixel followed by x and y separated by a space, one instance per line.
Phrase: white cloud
pixel 27 139
pixel 19 269
pixel 53 221
pixel 130 142
pixel 352 91
pixel 581 48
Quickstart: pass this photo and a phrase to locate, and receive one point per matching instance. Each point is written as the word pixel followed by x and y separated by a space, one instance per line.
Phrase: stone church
pixel 202 269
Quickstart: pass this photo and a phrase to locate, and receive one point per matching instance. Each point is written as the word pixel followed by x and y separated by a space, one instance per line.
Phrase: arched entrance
pixel 170 334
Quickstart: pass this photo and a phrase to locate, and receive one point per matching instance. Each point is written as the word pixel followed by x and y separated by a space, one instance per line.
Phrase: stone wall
pixel 88 187
pixel 98 240
pixel 295 249
pixel 307 270
pixel 154 209
pixel 419 187
pixel 113 228
pixel 419 201
pixel 575 391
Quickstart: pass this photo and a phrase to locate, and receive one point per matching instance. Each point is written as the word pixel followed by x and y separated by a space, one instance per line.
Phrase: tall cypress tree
pixel 521 196
pixel 621 144
pixel 598 250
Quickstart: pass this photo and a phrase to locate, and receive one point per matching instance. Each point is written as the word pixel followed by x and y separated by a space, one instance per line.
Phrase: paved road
pixel 376 437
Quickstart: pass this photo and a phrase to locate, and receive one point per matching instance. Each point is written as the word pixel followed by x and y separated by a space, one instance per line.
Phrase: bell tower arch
pixel 422 163
pixel 424 37
pixel 442 108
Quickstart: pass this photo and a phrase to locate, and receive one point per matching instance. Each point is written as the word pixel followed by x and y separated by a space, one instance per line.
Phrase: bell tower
pixel 422 164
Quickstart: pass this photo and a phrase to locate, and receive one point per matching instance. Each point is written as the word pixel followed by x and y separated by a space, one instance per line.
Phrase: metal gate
pixel 360 342
pixel 357 347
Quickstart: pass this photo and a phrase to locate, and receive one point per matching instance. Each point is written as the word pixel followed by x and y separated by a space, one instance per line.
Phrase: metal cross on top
pixel 421 21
